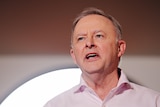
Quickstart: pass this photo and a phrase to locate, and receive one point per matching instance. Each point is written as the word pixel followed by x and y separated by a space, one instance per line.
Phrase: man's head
pixel 90 11
pixel 96 41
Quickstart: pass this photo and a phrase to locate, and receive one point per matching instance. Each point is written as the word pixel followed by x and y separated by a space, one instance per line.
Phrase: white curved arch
pixel 36 92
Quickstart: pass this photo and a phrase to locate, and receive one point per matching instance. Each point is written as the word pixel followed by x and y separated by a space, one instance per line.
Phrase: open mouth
pixel 91 55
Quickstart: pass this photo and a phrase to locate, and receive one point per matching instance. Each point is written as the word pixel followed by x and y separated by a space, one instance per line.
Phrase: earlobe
pixel 121 48
pixel 72 55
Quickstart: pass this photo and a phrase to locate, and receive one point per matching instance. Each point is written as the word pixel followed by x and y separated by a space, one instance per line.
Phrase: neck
pixel 102 84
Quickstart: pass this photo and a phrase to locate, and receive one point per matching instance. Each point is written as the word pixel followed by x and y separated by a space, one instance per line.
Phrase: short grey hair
pixel 91 11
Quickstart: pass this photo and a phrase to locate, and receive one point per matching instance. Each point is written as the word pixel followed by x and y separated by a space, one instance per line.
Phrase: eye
pixel 80 38
pixel 99 35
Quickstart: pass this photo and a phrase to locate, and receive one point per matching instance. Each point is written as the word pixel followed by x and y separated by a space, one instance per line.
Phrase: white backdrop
pixel 38 91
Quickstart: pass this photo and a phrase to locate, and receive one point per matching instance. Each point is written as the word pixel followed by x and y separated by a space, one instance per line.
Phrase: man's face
pixel 95 45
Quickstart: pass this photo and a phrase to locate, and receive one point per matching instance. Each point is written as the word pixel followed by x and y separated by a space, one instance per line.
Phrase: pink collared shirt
pixel 126 94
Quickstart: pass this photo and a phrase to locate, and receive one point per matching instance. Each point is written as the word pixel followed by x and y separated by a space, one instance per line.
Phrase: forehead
pixel 96 22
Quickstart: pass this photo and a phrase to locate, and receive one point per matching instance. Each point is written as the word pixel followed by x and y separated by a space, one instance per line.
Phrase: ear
pixel 121 47
pixel 72 55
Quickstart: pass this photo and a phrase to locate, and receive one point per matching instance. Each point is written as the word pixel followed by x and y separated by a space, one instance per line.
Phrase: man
pixel 97 47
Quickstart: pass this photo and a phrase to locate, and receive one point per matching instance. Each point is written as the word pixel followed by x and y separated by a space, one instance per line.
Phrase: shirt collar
pixel 82 86
pixel 123 84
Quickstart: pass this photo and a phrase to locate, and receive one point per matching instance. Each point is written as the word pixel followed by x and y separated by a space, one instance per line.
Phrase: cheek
pixel 78 54
pixel 109 50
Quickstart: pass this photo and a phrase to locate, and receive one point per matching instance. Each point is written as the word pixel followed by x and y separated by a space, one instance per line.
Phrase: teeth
pixel 91 55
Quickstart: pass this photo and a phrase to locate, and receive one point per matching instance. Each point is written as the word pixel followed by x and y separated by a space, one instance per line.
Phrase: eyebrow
pixel 97 31
pixel 81 34
pixel 94 32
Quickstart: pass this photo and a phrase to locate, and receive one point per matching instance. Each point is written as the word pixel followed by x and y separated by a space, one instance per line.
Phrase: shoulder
pixel 61 99
pixel 144 90
pixel 138 89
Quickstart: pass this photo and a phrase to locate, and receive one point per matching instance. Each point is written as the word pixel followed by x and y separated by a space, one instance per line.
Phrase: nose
pixel 90 43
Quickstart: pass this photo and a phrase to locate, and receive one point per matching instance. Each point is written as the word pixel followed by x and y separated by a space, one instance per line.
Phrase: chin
pixel 92 70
